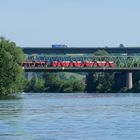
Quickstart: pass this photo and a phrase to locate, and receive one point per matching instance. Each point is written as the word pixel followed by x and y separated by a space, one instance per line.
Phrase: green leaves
pixel 54 83
pixel 11 73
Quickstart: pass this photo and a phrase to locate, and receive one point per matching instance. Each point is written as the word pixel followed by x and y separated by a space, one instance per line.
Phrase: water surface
pixel 71 117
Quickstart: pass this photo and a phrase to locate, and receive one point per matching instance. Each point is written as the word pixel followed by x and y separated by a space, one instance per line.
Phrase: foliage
pixel 105 83
pixel 54 83
pixel 72 85
pixel 99 82
pixel 11 73
pixel 35 85
pixel 101 53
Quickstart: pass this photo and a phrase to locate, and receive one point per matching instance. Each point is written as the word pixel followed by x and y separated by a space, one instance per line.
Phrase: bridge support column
pixel 129 80
pixel 123 79
pixel 120 80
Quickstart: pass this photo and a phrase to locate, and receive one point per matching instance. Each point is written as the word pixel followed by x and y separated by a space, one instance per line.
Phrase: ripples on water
pixel 71 117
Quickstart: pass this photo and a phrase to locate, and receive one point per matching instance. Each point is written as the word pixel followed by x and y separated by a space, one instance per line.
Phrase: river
pixel 71 117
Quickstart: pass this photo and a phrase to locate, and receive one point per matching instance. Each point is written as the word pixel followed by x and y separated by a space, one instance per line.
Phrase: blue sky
pixel 77 23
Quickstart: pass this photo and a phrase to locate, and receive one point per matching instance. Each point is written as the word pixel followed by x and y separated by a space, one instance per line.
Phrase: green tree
pixel 35 85
pixel 101 53
pixel 105 82
pixel 39 86
pixel 11 73
pixel 78 86
pixel 52 82
pixel 66 87
pixel 71 85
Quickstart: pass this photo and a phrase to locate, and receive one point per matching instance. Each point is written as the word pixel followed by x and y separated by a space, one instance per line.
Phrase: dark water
pixel 71 117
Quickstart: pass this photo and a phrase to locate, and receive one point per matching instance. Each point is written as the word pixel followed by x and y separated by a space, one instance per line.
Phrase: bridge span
pixel 78 50
pixel 82 69
pixel 121 64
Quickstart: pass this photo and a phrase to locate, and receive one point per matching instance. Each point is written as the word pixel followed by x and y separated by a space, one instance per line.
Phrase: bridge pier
pixel 123 79
pixel 119 80
pixel 129 80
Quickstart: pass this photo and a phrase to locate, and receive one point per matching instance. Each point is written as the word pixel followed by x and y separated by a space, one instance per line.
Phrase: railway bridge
pixel 122 61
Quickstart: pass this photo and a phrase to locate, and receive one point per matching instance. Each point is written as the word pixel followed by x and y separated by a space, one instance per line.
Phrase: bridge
pixel 83 60
pixel 81 63
pixel 77 50
pixel 64 63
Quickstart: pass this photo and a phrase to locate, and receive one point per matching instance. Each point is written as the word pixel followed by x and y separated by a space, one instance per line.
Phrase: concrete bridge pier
pixel 129 80
pixel 124 79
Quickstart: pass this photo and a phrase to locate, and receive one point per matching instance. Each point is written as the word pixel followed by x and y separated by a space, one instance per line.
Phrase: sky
pixel 76 23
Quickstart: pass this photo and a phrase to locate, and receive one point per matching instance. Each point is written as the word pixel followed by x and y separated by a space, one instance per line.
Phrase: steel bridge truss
pixel 119 61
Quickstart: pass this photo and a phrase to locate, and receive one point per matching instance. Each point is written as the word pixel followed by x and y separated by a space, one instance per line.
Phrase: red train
pixel 69 64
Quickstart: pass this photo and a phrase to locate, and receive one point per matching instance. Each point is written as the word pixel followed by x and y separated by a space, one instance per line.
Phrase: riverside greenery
pixel 12 78
pixel 54 83
pixel 11 73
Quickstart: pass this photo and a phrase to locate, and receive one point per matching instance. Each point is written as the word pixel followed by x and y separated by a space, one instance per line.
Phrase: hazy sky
pixel 77 23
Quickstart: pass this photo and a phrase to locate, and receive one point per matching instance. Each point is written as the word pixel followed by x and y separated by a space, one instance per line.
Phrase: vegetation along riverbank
pixel 14 80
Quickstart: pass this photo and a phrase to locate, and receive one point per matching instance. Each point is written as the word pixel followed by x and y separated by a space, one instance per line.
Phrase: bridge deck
pixel 74 69
pixel 76 50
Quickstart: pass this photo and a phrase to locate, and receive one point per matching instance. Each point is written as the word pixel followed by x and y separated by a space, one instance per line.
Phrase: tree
pixel 101 53
pixel 11 73
pixel 52 82
pixel 72 85
pixel 105 82
pixel 35 85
